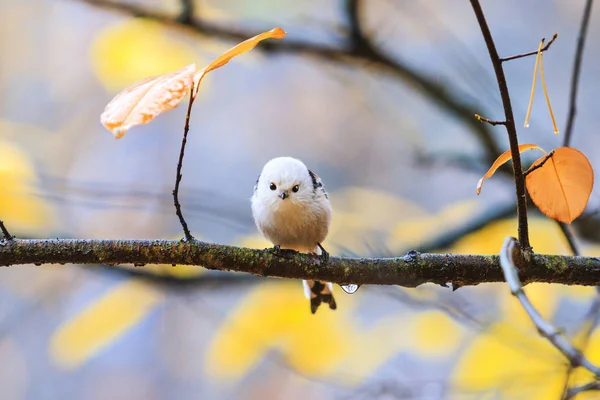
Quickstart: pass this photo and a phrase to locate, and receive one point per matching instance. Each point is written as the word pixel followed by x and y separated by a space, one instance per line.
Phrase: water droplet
pixel 350 288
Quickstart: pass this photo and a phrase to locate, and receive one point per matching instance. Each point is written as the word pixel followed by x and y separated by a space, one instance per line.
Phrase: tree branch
pixel 576 70
pixel 355 51
pixel 531 53
pixel 187 12
pixel 5 232
pixel 510 127
pixel 410 270
pixel 575 357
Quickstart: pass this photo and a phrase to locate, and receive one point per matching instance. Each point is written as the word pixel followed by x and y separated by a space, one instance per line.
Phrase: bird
pixel 291 209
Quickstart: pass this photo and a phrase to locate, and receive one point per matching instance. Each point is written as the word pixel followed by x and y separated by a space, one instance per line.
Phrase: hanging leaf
pixel 244 47
pixel 562 186
pixel 142 102
pixel 504 157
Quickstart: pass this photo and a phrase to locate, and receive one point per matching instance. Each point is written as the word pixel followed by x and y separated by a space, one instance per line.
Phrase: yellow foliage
pixel 413 232
pixel 102 323
pixel 125 51
pixel 545 236
pixel 434 333
pixel 503 360
pixel 327 344
pixel 19 207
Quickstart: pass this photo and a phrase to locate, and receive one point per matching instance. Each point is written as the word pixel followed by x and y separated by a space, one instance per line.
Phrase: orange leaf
pixel 504 157
pixel 562 186
pixel 245 46
pixel 142 102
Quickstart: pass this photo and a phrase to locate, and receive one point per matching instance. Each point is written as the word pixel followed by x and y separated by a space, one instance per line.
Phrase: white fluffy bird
pixel 291 209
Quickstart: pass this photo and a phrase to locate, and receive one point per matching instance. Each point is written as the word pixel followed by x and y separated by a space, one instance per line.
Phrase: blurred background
pixel 378 99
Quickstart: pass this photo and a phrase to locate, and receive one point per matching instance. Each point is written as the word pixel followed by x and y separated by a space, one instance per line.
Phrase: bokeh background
pixel 378 102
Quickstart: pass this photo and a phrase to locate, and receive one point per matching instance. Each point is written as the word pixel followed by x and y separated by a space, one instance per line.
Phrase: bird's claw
pixel 283 253
pixel 324 254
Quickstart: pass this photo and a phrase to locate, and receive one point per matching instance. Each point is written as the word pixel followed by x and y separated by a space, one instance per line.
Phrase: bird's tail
pixel 319 292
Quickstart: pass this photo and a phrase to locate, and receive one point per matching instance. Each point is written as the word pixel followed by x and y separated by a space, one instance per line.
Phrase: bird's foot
pixel 324 254
pixel 283 253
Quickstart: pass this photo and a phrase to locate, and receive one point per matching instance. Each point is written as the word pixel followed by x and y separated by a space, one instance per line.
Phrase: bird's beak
pixel 283 195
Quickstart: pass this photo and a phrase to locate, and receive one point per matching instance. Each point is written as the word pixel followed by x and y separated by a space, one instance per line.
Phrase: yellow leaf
pixel 142 102
pixel 562 186
pixel 546 237
pixel 244 47
pixel 504 157
pixel 417 230
pixel 276 317
pixel 434 334
pixel 19 207
pixel 505 361
pixel 102 323
pixel 134 48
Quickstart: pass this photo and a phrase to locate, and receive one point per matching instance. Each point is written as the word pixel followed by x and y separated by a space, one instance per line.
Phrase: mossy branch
pixel 409 270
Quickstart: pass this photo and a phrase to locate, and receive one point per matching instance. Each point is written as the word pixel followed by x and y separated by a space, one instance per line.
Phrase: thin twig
pixel 510 127
pixel 489 121
pixel 531 53
pixel 592 317
pixel 186 231
pixel 547 330
pixel 574 391
pixel 5 232
pixel 566 230
pixel 540 165
pixel 576 70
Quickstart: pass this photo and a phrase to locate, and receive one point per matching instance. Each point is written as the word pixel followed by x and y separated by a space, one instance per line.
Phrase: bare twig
pixel 409 270
pixel 5 232
pixel 531 53
pixel 186 231
pixel 574 391
pixel 566 230
pixel 510 127
pixel 576 70
pixel 540 165
pixel 547 330
pixel 489 121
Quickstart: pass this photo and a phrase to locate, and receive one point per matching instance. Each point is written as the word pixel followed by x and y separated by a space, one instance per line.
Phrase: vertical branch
pixel 187 12
pixel 510 126
pixel 594 313
pixel 576 70
pixel 186 231
pixel 5 232
pixel 545 329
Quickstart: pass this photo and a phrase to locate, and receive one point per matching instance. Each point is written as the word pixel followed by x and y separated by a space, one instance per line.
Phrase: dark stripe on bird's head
pixel 315 180
pixel 256 184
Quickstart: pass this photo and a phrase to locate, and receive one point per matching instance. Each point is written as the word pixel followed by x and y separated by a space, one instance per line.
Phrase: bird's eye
pixel 295 188
pixel 272 187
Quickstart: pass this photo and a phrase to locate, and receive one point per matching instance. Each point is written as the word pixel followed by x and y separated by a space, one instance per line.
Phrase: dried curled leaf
pixel 504 157
pixel 142 102
pixel 562 186
pixel 244 47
